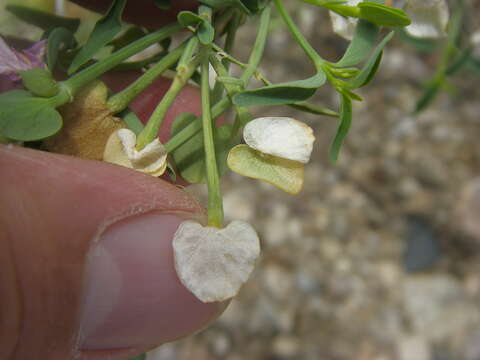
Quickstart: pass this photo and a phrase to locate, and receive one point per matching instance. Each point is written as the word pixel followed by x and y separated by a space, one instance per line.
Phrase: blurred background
pixel 378 258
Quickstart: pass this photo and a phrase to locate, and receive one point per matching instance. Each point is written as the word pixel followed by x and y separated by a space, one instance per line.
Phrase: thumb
pixel 86 264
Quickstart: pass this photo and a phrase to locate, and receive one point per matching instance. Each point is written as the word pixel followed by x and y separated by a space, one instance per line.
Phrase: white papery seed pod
pixel 120 149
pixel 344 26
pixel 429 18
pixel 280 136
pixel 214 263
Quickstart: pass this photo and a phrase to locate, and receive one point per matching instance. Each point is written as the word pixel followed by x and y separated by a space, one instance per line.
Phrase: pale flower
pixel 120 149
pixel 280 136
pixel 429 18
pixel 344 26
pixel 13 61
pixel 214 263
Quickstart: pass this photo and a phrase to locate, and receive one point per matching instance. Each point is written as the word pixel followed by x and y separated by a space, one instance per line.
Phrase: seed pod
pixel 214 263
pixel 280 136
pixel 120 149
pixel 87 124
pixel 429 18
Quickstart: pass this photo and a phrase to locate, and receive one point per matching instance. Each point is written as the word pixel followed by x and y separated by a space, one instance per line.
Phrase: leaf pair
pixel 370 68
pixel 24 117
pixel 204 28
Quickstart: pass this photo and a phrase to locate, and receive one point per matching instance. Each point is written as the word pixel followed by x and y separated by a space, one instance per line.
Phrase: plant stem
pixel 195 126
pixel 223 105
pixel 259 46
pixel 232 27
pixel 215 204
pixel 309 50
pixel 215 207
pixel 243 114
pixel 184 73
pixel 92 72
pixel 120 101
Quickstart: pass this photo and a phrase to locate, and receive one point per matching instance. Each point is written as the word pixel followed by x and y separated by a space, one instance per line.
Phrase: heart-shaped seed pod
pixel 214 263
pixel 429 18
pixel 120 149
pixel 280 136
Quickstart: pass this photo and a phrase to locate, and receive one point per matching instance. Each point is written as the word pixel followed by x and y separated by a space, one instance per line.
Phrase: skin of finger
pixel 143 12
pixel 48 222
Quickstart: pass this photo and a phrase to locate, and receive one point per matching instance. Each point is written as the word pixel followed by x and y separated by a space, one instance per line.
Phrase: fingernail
pixel 133 297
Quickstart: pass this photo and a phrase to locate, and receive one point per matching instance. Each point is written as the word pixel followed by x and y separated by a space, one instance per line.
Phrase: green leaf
pixel 342 131
pixel 284 93
pixel 133 33
pixel 313 109
pixel 105 30
pixel 285 174
pixel 43 20
pixel 39 81
pixel 429 94
pixel 205 30
pixel 459 62
pixel 59 39
pixel 361 45
pixel 24 117
pixel 190 156
pixel 338 7
pixel 383 15
pixel 163 4
pixel 371 66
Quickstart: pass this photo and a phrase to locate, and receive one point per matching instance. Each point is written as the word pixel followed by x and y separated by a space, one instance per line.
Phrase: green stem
pixel 215 204
pixel 227 57
pixel 215 207
pixel 259 46
pixel 195 126
pixel 224 104
pixel 309 50
pixel 185 69
pixel 92 72
pixel 232 27
pixel 242 113
pixel 120 101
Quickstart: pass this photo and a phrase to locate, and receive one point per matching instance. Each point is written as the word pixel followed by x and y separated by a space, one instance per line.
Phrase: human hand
pixel 86 265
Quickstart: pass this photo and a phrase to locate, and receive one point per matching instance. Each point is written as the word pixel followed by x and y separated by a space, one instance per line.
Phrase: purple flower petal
pixel 36 53
pixel 13 61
